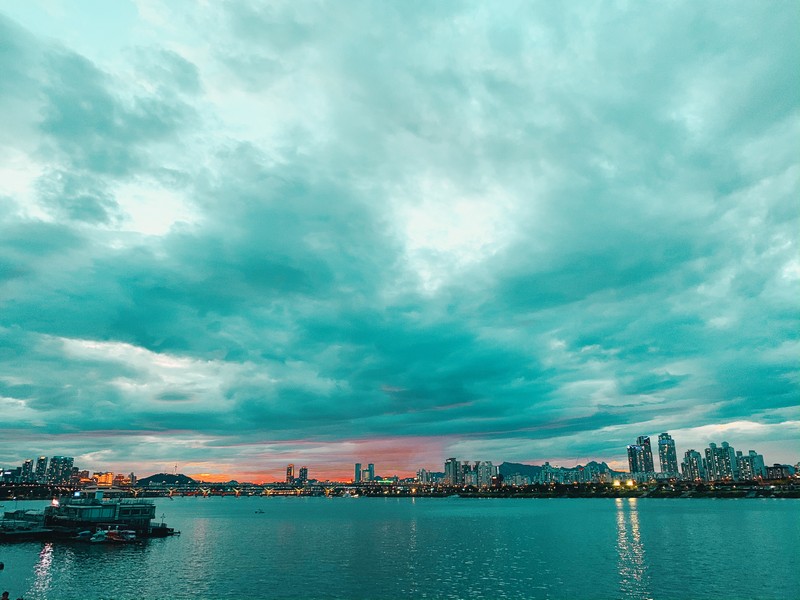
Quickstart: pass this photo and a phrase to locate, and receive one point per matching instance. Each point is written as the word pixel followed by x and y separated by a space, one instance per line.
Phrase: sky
pixel 238 235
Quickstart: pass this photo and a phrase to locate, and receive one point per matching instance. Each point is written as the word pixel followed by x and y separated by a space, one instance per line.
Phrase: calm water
pixel 431 548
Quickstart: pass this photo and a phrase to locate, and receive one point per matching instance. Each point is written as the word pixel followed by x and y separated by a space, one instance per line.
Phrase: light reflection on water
pixel 634 579
pixel 42 570
pixel 426 548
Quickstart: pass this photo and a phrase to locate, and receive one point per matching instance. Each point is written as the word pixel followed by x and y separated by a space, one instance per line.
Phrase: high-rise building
pixel 452 472
pixel 750 466
pixel 370 472
pixel 692 466
pixel 41 469
pixel 303 475
pixel 60 470
pixel 357 478
pixel 290 474
pixel 667 456
pixel 721 462
pixel 757 462
pixel 484 471
pixel 636 459
pixel 27 471
pixel 647 453
pixel 468 473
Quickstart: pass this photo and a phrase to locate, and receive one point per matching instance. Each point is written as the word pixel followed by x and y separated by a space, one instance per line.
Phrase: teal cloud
pixel 554 226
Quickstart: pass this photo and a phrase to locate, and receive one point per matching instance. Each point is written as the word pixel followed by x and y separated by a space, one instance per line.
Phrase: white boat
pixel 99 537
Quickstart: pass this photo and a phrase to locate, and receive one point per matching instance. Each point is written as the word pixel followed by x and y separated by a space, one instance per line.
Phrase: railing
pixel 73 501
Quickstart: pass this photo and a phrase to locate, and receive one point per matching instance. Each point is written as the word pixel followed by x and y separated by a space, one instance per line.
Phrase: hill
pixel 532 471
pixel 165 479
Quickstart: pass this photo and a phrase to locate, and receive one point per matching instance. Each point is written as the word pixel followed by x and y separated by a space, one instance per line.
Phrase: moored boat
pixel 111 513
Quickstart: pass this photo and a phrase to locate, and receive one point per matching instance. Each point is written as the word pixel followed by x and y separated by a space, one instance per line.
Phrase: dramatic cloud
pixel 238 235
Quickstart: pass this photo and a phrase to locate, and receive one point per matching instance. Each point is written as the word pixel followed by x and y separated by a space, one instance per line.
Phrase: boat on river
pixel 90 510
pixel 113 536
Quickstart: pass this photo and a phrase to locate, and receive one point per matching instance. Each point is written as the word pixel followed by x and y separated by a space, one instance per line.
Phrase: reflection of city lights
pixel 633 572
pixel 42 569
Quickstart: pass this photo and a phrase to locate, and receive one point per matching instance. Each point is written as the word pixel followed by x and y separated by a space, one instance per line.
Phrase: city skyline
pixel 666 462
pixel 236 236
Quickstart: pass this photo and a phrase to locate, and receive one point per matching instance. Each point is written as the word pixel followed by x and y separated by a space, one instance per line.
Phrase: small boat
pixel 259 512
pixel 84 536
pixel 121 536
pixel 99 537
pixel 114 536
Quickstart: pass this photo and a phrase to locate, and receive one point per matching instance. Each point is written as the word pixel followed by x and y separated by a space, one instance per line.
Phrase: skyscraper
pixel 357 478
pixel 721 462
pixel 647 453
pixel 371 472
pixel 27 471
pixel 692 466
pixel 636 459
pixel 484 471
pixel 452 472
pixel 290 474
pixel 750 466
pixel 667 456
pixel 60 470
pixel 41 469
pixel 303 475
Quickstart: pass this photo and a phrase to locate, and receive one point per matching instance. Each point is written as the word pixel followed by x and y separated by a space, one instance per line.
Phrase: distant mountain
pixel 165 479
pixel 507 469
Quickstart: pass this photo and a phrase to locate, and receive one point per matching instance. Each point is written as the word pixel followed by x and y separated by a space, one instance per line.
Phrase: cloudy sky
pixel 234 236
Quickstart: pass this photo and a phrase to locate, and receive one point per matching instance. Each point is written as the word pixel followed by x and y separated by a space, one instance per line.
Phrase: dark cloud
pixel 525 232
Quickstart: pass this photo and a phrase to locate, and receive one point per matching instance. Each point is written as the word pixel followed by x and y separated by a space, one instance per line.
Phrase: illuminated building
pixel 692 466
pixel 484 471
pixel 667 456
pixel 290 474
pixel 640 459
pixel 778 471
pixel 303 475
pixel 362 475
pixel 647 454
pixel 468 474
pixel 452 472
pixel 27 475
pixel 636 459
pixel 721 462
pixel 104 479
pixel 750 466
pixel 41 469
pixel 60 470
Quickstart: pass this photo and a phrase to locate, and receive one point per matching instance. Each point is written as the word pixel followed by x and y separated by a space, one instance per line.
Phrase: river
pixel 430 548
